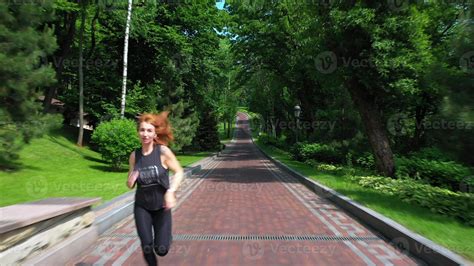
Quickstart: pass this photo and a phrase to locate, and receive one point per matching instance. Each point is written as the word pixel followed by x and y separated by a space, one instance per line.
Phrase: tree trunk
pixel 65 43
pixel 125 59
pixel 376 133
pixel 81 77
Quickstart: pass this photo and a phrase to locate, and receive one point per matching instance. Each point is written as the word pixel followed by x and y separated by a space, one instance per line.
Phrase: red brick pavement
pixel 244 194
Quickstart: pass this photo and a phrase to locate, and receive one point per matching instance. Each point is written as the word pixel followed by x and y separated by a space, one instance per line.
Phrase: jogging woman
pixel 155 194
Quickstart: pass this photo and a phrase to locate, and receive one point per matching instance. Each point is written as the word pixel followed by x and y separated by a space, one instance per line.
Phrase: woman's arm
pixel 172 164
pixel 132 175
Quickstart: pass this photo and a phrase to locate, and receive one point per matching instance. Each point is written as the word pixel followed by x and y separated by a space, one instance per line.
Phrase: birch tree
pixel 125 58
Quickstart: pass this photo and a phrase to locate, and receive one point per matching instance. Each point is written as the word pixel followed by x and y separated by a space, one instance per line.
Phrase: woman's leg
pixel 144 223
pixel 162 228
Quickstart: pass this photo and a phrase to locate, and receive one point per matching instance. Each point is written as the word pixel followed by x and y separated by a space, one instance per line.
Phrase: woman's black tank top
pixel 152 181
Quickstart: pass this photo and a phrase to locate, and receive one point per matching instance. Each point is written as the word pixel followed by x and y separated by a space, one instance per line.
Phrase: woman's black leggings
pixel 160 242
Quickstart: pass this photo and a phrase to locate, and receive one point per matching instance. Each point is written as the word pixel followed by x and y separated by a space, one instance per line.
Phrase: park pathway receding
pixel 243 210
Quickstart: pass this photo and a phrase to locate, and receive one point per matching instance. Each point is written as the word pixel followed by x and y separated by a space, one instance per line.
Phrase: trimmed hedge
pixel 438 200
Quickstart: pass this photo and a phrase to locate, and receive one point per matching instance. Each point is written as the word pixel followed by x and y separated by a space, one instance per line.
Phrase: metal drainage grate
pixel 274 237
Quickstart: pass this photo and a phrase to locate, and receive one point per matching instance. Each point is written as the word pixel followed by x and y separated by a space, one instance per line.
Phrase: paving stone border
pixel 399 235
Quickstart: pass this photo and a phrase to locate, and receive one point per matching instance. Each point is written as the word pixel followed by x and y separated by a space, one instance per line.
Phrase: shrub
pixel 316 151
pixel 432 154
pixel 437 200
pixel 366 160
pixel 272 141
pixel 445 174
pixel 328 168
pixel 115 140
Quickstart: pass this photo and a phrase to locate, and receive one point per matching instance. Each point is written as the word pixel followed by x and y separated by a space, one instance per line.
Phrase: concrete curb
pixel 61 253
pixel 72 246
pixel 399 235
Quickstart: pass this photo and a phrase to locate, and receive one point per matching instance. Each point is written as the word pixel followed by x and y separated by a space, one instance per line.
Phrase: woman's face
pixel 146 131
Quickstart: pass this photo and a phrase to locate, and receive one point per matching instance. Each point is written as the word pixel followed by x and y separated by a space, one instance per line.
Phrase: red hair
pixel 162 126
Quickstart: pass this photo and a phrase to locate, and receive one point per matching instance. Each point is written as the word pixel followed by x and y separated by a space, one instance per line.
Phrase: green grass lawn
pixel 445 231
pixel 53 166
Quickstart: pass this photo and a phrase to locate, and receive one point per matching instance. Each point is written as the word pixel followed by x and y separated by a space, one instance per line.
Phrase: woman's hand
pixel 170 200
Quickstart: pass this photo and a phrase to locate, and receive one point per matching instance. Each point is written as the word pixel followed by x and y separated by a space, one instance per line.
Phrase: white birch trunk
pixel 125 59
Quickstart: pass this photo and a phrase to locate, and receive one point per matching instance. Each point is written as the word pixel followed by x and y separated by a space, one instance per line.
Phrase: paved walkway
pixel 243 210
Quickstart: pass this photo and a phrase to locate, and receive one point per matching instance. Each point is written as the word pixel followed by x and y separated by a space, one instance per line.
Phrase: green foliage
pixel 445 174
pixel 115 140
pixel 207 135
pixel 23 42
pixel 437 200
pixel 432 153
pixel 273 141
pixel 366 160
pixel 317 151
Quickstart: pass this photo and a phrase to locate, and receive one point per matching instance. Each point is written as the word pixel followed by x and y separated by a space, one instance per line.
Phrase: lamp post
pixel 297 111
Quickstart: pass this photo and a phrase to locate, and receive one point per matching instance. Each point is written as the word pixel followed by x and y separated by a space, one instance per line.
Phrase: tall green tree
pixel 23 43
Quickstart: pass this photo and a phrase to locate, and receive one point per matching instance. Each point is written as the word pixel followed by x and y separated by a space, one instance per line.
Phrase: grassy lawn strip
pixel 53 166
pixel 445 231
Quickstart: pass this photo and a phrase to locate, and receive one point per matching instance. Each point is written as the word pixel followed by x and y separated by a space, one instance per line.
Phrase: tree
pixel 81 73
pixel 24 42
pixel 125 58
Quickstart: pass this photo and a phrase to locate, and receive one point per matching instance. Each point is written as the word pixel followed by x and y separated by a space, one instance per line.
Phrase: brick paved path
pixel 243 210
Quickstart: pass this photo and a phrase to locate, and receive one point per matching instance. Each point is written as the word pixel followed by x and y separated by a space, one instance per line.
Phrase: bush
pixel 432 154
pixel 272 141
pixel 366 160
pixel 316 151
pixel 445 174
pixel 115 140
pixel 438 200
